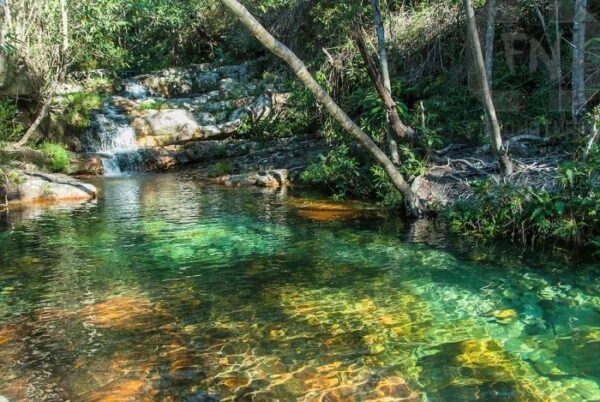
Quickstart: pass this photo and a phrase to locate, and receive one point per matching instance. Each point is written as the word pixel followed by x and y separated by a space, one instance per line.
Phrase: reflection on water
pixel 170 289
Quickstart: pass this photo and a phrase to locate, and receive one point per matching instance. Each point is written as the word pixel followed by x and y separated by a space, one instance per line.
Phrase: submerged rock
pixel 325 211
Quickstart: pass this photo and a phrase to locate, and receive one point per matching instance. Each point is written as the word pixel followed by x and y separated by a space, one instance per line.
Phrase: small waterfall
pixel 112 137
pixel 135 90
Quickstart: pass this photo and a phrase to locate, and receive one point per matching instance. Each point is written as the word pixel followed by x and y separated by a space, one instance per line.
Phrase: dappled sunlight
pixel 225 304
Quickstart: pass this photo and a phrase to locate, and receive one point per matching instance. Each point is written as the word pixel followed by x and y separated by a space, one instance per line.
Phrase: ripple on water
pixel 167 290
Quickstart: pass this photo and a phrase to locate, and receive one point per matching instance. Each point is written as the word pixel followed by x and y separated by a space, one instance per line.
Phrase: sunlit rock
pixel 36 187
pixel 123 312
pixel 122 390
pixel 329 210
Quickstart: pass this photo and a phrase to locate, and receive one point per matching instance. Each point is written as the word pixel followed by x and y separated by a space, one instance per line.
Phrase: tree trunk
pixel 280 50
pixel 578 78
pixel 398 126
pixel 489 53
pixel 489 41
pixel 65 27
pixel 33 126
pixel 385 75
pixel 558 55
pixel 500 152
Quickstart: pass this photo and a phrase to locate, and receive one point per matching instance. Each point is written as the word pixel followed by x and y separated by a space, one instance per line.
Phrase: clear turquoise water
pixel 167 289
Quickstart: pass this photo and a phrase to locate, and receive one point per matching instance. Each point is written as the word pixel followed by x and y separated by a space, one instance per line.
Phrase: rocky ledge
pixel 273 163
pixel 22 186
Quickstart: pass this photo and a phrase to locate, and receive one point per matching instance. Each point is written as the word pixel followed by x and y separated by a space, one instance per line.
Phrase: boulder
pixel 170 126
pixel 84 164
pixel 33 187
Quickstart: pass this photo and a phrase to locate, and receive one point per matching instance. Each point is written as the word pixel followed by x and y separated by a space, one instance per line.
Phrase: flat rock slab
pixel 34 187
pixel 270 178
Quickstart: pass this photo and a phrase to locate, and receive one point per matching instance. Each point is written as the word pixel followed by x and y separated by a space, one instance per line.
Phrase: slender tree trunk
pixel 385 75
pixel 500 152
pixel 558 55
pixel 578 78
pixel 489 41
pixel 65 27
pixel 400 129
pixel 280 50
pixel 5 23
pixel 489 52
pixel 33 126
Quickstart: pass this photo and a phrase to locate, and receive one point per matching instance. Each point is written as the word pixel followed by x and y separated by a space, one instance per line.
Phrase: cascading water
pixel 113 138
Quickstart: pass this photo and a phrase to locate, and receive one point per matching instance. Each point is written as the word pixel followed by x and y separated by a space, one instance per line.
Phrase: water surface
pixel 171 289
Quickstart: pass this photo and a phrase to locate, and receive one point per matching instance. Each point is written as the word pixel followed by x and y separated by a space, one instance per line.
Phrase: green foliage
pixel 220 169
pixel 101 84
pixel 78 107
pixel 300 117
pixel 154 105
pixel 10 128
pixel 339 171
pixel 57 155
pixel 15 177
pixel 568 215
pixel 384 188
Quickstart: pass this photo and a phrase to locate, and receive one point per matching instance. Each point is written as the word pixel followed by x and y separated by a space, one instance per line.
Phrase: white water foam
pixel 112 137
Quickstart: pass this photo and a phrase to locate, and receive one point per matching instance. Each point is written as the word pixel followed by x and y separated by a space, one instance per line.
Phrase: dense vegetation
pixel 432 85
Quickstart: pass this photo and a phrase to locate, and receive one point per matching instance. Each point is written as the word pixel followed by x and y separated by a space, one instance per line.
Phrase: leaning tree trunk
pixel 578 78
pixel 283 52
pixel 400 129
pixel 494 134
pixel 33 127
pixel 385 75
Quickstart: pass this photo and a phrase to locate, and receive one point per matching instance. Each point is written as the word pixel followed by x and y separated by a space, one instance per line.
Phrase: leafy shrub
pixel 338 170
pixel 570 215
pixel 57 155
pixel 299 117
pixel 10 128
pixel 78 108
pixel 220 169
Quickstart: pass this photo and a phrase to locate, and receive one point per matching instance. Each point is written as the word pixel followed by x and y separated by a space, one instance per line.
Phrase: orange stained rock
pixel 396 388
pixel 322 382
pixel 121 391
pixel 123 312
pixel 7 334
pixel 328 215
pixel 319 210
pixel 342 393
pixel 235 382
pixel 386 319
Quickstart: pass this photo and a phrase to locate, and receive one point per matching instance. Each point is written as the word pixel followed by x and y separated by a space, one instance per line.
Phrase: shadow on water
pixel 172 289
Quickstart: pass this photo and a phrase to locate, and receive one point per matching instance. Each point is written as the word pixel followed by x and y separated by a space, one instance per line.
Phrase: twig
pixel 525 137
pixel 591 141
pixel 469 165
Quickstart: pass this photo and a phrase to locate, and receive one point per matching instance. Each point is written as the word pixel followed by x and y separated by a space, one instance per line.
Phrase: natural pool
pixel 171 289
